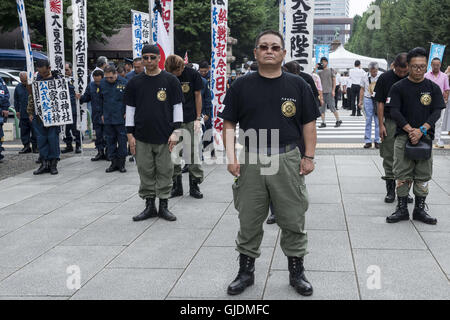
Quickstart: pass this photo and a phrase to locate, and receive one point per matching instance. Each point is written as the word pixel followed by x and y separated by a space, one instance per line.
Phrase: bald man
pixel 27 134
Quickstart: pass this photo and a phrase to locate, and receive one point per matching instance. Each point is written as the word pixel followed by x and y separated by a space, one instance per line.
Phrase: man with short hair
pixel 102 63
pixel 138 68
pixel 27 134
pixel 415 104
pixel 356 74
pixel 4 105
pixel 128 65
pixel 71 129
pixel 367 92
pixel 328 80
pixel 268 102
pixel 441 79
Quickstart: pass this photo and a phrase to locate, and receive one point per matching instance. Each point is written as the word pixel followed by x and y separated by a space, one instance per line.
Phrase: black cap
pixel 128 60
pixel 42 63
pixel 150 48
pixel 323 59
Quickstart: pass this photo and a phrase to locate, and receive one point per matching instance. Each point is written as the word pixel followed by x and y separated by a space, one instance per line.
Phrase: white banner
pixel 167 8
pixel 54 26
pixel 282 22
pixel 80 56
pixel 26 39
pixel 219 33
pixel 299 32
pixel 52 102
pixel 140 25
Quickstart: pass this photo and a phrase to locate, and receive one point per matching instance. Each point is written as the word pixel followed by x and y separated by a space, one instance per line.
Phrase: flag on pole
pixel 186 58
pixel 26 40
pixel 55 34
pixel 160 36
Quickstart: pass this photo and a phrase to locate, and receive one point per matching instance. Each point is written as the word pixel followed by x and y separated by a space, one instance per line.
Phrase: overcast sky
pixel 358 7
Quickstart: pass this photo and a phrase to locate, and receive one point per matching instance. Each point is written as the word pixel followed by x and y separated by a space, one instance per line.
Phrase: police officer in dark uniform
pixel 113 111
pixel 4 105
pixel 71 129
pixel 271 101
pixel 415 105
pixel 92 95
pixel 47 137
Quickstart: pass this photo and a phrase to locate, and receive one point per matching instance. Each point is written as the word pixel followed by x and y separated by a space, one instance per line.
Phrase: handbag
pixel 420 151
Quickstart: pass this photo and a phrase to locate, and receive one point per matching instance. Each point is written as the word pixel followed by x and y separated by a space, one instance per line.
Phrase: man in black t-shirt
pixel 266 103
pixel 192 85
pixel 387 125
pixel 415 104
pixel 154 113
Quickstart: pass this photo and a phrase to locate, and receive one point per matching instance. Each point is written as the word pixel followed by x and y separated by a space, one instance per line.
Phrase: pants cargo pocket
pixel 235 188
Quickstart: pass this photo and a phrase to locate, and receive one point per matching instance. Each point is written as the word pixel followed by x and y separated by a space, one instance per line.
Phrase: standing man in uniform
pixel 47 137
pixel 154 113
pixel 92 95
pixel 356 74
pixel 138 68
pixel 388 126
pixel 27 134
pixel 4 105
pixel 415 104
pixel 266 101
pixel 112 112
pixel 191 84
pixel 328 80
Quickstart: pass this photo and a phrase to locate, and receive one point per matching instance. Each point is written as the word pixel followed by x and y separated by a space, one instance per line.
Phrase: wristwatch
pixel 423 130
pixel 199 118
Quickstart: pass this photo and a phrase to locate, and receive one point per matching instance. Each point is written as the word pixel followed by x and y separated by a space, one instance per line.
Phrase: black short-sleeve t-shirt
pixel 154 98
pixel 416 103
pixel 191 81
pixel 383 86
pixel 285 103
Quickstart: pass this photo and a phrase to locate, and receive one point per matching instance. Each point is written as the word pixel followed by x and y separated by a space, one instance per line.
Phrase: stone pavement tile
pixel 437 195
pixel 368 185
pixel 48 275
pixel 216 190
pixel 2 205
pixel 213 269
pixel 327 251
pixel 441 213
pixel 443 182
pixel 322 175
pixel 74 215
pixel 12 181
pixel 129 284
pixel 32 298
pixel 5 272
pixel 10 223
pixel 375 233
pixel 368 205
pixel 359 170
pixel 26 244
pixel 325 217
pixel 131 179
pixel 130 207
pixel 326 285
pixel 110 230
pixel 110 194
pixel 21 192
pixel 438 242
pixel 39 204
pixel 161 248
pixel 320 194
pixel 83 185
pixel 353 160
pixel 404 275
pixel 231 210
pixel 48 179
pixel 224 234
pixel 323 160
pixel 195 214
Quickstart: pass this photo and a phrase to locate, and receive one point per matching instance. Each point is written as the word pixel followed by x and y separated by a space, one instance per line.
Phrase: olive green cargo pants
pixel 387 149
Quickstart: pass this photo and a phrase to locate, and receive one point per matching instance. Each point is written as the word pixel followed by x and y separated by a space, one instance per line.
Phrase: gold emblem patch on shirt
pixel 426 99
pixel 185 87
pixel 288 108
pixel 161 95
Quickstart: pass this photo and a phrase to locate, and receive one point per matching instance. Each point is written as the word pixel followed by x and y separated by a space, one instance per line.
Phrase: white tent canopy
pixel 343 59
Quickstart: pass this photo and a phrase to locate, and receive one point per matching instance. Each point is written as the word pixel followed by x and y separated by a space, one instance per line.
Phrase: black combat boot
pixel 390 188
pixel 177 188
pixel 113 167
pixel 194 190
pixel 297 277
pixel 78 148
pixel 410 199
pixel 54 166
pixel 164 212
pixel 419 212
pixel 44 168
pixel 35 149
pixel 26 149
pixel 149 211
pixel 121 165
pixel 401 213
pixel 67 149
pixel 245 277
pixel 99 156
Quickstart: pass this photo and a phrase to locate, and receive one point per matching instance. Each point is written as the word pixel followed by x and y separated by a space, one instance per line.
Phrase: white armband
pixel 178 113
pixel 129 119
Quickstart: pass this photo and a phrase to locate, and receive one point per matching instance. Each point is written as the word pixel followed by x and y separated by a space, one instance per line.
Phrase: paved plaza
pixel 82 218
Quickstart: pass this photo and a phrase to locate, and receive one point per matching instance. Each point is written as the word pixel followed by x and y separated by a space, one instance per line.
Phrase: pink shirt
pixel 441 80
pixel 317 81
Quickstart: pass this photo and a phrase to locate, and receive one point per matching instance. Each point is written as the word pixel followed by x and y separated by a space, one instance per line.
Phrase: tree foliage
pixel 405 24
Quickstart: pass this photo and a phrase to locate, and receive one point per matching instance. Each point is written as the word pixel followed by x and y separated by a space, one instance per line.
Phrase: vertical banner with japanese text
pixel 282 23
pixel 299 32
pixel 436 51
pixel 322 50
pixel 54 26
pixel 167 16
pixel 219 33
pixel 80 47
pixel 26 39
pixel 140 25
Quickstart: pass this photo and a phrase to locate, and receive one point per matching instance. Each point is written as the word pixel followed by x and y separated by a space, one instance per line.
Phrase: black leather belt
pixel 273 151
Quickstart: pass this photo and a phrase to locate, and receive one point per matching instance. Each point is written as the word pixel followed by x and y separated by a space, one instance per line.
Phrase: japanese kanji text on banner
pixel 55 33
pixel 26 39
pixel 299 32
pixel 219 31
pixel 140 23
pixel 167 16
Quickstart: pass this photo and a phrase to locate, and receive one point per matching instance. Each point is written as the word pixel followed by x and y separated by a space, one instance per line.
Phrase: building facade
pixel 332 21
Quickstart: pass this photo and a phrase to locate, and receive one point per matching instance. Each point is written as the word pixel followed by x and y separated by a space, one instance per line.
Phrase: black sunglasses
pixel 264 47
pixel 149 57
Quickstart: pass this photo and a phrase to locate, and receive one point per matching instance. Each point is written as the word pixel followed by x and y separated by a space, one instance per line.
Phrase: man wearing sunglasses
pixel 270 102
pixel 154 103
